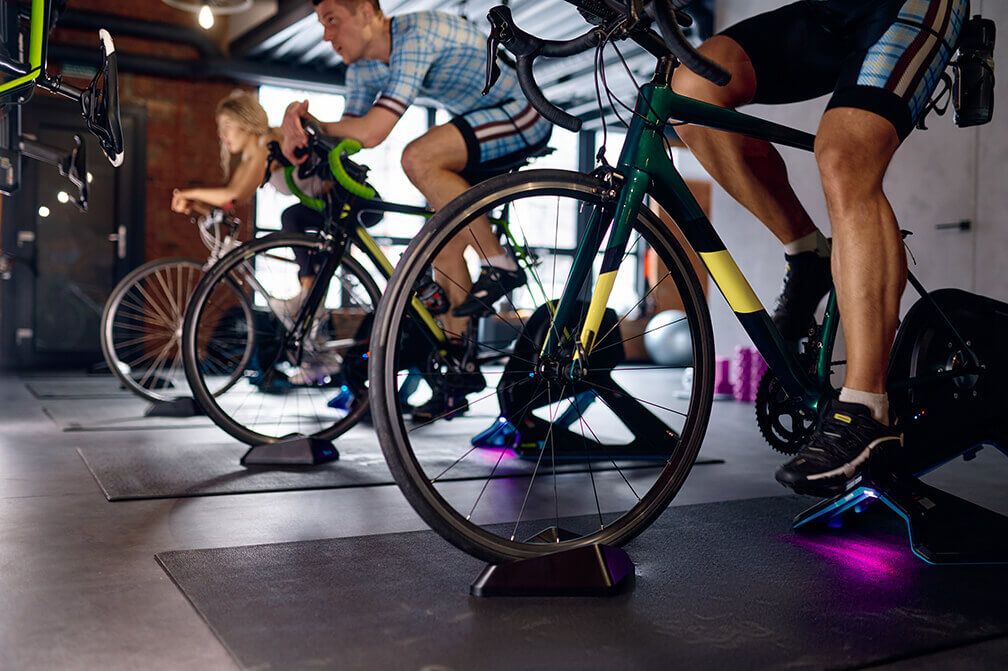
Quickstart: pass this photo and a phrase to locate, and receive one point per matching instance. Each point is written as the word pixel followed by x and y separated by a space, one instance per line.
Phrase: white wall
pixel 933 180
pixel 991 238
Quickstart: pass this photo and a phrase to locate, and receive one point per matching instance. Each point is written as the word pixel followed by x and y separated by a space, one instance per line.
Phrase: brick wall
pixel 181 137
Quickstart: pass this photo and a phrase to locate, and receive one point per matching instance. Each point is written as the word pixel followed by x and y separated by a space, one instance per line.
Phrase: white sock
pixel 504 262
pixel 813 242
pixel 877 403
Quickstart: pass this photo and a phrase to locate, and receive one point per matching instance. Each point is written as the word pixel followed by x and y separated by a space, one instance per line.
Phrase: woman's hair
pixel 244 108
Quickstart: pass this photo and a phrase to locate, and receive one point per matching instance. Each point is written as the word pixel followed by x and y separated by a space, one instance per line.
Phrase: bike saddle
pixel 100 103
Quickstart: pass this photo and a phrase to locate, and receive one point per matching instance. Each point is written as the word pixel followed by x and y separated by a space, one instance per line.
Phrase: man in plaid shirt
pixel 393 61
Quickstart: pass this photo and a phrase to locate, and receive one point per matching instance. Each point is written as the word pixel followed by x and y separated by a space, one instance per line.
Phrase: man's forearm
pixel 370 130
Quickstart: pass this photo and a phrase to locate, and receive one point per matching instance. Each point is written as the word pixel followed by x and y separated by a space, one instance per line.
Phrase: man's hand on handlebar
pixel 294 136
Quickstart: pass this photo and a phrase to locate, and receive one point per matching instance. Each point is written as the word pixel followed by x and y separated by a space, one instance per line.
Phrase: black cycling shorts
pixel 885 57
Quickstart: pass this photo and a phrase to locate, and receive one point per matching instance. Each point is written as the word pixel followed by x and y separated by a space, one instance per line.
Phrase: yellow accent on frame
pixel 600 297
pixel 732 283
pixel 375 252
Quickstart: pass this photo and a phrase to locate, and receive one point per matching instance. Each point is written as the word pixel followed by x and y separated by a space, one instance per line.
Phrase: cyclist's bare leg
pixel 433 162
pixel 750 170
pixel 853 149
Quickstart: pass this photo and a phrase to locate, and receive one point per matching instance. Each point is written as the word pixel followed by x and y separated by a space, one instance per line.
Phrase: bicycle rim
pixel 289 386
pixel 537 463
pixel 141 332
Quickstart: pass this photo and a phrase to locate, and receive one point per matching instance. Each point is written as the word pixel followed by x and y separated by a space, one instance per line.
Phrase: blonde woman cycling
pixel 244 132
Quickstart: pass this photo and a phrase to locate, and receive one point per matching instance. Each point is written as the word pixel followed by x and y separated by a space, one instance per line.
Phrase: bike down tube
pixel 644 150
pixel 36 46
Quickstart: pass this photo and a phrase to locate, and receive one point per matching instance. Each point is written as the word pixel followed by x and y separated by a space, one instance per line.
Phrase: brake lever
pixel 493 71
pixel 273 153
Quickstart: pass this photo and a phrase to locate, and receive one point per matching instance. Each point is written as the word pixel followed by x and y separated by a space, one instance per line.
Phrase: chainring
pixel 785 424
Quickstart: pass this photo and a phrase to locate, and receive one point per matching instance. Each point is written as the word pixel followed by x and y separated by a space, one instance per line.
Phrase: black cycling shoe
pixel 807 280
pixel 491 285
pixel 839 448
pixel 448 400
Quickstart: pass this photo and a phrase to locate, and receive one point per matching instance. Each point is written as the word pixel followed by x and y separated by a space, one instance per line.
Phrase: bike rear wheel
pixel 566 462
pixel 141 329
pixel 311 384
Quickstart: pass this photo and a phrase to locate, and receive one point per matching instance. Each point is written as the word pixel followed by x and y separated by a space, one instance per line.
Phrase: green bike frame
pixel 37 38
pixel 645 168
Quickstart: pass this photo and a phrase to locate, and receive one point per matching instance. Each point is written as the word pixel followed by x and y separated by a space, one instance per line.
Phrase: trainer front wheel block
pixel 184 406
pixel 291 451
pixel 591 570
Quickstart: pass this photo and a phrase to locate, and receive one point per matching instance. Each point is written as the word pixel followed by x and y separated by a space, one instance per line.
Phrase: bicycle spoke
pixel 528 491
pixel 611 459
pixel 639 335
pixel 591 473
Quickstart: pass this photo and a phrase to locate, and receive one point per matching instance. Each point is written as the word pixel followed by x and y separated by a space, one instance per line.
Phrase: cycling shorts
pixel 500 136
pixel 886 59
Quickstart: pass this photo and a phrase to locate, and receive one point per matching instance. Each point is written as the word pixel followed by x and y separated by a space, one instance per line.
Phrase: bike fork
pixel 632 192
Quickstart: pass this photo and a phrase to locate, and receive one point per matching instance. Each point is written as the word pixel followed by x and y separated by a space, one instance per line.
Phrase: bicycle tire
pixel 152 297
pixel 233 411
pixel 429 498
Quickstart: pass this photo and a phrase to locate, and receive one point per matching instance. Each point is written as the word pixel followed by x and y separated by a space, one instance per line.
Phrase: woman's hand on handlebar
pixel 184 203
pixel 180 202
pixel 294 136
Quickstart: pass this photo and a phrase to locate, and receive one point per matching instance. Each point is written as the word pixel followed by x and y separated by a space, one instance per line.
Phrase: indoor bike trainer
pixel 945 388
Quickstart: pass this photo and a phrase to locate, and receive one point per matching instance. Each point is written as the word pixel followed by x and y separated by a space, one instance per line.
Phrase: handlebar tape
pixel 350 147
pixel 665 17
pixel 526 48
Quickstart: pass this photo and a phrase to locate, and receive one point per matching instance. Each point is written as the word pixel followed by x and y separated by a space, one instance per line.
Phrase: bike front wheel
pixel 304 380
pixel 141 329
pixel 542 459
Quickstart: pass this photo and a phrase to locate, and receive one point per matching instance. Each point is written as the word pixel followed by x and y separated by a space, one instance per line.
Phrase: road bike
pixel 566 402
pixel 141 324
pixel 307 374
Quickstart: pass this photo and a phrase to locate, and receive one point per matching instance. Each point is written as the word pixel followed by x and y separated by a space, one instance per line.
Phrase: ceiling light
pixel 205 17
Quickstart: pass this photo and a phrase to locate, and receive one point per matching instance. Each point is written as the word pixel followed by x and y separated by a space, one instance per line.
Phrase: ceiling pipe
pixel 119 25
pixel 250 72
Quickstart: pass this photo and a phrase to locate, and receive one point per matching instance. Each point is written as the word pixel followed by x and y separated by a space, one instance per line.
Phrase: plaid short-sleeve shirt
pixel 435 56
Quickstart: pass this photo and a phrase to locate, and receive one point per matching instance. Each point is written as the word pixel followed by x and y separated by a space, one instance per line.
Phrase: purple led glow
pixel 865 558
pixel 492 454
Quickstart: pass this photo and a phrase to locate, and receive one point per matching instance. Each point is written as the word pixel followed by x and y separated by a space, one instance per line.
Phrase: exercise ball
pixel 667 339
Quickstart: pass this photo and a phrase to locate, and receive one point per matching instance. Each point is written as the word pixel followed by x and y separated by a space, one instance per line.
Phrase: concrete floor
pixel 79 587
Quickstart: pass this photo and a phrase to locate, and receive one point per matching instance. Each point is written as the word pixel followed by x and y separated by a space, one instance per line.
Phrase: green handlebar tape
pixel 314 203
pixel 351 147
